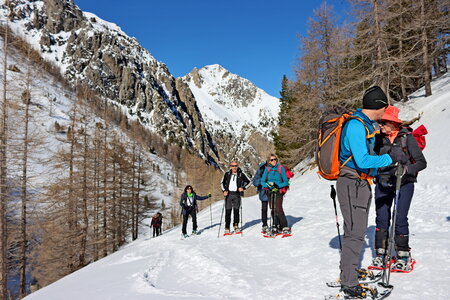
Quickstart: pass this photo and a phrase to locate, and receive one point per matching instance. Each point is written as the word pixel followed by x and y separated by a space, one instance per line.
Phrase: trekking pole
pixel 333 196
pixel 241 219
pixel 221 216
pixel 274 206
pixel 210 211
pixel 388 258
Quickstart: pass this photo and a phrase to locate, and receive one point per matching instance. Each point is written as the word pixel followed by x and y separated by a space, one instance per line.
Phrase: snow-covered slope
pixel 252 267
pixel 51 103
pixel 240 115
pixel 229 102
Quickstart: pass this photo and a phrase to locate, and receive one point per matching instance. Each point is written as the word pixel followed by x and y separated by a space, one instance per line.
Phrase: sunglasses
pixel 274 159
pixel 233 166
pixel 382 123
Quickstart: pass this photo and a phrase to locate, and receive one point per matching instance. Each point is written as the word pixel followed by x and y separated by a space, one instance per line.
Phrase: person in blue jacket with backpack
pixel 188 204
pixel 275 182
pixel 262 193
pixel 359 165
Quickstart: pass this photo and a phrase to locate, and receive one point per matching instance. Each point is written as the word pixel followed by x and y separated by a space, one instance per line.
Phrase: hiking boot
pixel 185 235
pixel 227 230
pixel 286 230
pixel 354 291
pixel 236 228
pixel 265 229
pixel 378 261
pixel 194 232
pixel 403 260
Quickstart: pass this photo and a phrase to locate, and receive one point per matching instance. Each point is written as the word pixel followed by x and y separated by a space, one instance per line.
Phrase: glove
pixel 209 195
pixel 398 158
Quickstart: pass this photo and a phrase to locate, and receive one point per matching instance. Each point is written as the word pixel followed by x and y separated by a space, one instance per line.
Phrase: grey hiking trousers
pixel 354 197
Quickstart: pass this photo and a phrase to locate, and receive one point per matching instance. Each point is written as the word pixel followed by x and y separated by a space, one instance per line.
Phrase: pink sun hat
pixel 391 114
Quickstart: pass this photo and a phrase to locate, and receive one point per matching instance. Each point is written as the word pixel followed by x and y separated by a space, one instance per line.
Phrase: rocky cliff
pixel 98 53
pixel 210 111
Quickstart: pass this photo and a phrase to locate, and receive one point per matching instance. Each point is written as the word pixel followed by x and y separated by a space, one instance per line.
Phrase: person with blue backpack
pixel 274 181
pixel 262 195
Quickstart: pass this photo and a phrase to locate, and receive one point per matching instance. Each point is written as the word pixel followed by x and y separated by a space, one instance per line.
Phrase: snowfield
pixel 252 267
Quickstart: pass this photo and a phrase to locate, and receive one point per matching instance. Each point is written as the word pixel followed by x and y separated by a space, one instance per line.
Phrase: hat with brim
pixel 391 114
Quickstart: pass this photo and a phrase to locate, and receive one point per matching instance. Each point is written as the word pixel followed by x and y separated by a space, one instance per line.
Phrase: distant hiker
pixel 275 182
pixel 188 204
pixel 395 140
pixel 353 184
pixel 233 184
pixel 156 224
pixel 262 195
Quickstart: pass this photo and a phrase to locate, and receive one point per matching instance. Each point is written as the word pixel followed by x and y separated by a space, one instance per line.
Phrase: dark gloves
pixel 398 157
pixel 209 195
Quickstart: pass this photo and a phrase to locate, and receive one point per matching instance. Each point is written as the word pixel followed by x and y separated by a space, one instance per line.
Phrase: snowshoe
pixel 404 263
pixel 227 232
pixel 286 232
pixel 364 277
pixel 364 292
pixel 265 230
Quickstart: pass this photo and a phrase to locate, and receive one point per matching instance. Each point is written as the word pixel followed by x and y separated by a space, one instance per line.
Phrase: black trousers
pixel 156 231
pixel 277 213
pixel 193 213
pixel 232 202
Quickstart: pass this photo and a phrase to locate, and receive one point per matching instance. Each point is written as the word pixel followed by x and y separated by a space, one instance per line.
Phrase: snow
pixel 252 267
pixel 224 111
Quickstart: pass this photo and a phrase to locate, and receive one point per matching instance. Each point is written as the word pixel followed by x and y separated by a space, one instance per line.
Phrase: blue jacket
pixel 354 142
pixel 274 176
pixel 184 205
pixel 257 182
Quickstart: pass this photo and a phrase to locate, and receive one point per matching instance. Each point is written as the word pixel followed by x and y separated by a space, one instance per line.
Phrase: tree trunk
pixel 425 53
pixel 3 175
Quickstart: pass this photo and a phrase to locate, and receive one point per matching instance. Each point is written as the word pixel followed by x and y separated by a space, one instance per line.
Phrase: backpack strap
pixel 369 135
pixel 279 172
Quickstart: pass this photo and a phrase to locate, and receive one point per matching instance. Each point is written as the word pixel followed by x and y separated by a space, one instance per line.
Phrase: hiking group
pixel 351 150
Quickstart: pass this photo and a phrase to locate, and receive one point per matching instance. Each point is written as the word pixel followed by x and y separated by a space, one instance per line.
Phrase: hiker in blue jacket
pixel 262 195
pixel 273 180
pixel 188 204
pixel 353 184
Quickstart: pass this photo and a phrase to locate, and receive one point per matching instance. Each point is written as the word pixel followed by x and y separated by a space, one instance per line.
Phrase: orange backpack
pixel 329 140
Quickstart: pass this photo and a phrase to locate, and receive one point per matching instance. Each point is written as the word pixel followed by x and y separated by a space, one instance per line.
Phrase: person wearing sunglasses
pixel 189 207
pixel 273 180
pixel 233 184
pixel 397 141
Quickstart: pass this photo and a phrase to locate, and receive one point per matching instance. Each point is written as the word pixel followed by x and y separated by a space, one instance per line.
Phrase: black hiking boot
pixel 354 292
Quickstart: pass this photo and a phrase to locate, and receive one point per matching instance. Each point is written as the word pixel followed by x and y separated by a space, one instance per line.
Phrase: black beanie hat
pixel 374 98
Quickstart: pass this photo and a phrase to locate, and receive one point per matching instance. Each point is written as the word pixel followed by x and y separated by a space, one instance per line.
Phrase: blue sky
pixel 256 39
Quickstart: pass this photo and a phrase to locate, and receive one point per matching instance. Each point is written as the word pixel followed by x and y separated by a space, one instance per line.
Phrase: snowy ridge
pixel 232 103
pixel 252 267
